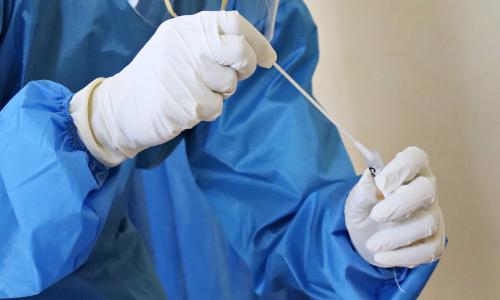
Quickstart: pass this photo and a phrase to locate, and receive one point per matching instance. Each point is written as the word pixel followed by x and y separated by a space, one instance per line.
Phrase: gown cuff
pixel 95 166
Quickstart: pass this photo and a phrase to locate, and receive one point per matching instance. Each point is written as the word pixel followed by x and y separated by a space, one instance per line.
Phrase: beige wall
pixel 426 73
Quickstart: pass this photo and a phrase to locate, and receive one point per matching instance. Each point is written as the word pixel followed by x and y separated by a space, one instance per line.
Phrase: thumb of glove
pixel 359 204
pixel 361 200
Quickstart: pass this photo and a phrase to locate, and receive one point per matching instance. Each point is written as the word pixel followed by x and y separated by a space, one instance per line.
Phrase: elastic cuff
pixel 95 166
pixel 80 108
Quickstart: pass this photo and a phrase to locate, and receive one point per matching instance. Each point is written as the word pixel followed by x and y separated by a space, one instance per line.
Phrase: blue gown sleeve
pixel 50 211
pixel 276 174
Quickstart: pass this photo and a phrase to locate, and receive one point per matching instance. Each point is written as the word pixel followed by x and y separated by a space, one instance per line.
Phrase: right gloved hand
pixel 407 228
pixel 179 78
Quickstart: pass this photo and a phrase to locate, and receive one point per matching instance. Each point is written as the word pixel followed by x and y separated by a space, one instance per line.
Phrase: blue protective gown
pixel 247 207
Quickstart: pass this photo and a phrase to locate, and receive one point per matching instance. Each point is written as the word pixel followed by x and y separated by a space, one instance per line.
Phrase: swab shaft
pixel 373 159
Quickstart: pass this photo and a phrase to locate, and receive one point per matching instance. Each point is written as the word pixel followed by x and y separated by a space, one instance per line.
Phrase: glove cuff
pixel 81 110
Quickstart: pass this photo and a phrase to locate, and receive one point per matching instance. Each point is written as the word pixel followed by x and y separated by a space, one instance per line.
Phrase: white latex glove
pixel 179 78
pixel 407 228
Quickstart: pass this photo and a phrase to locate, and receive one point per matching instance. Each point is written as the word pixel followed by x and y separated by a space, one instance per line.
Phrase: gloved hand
pixel 179 78
pixel 407 228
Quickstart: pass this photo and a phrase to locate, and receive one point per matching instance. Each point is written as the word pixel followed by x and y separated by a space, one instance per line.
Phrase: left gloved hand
pixel 407 228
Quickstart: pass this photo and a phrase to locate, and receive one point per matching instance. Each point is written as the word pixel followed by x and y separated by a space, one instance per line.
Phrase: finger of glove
pixel 232 23
pixel 402 169
pixel 422 252
pixel 361 199
pixel 406 200
pixel 234 51
pixel 420 226
pixel 219 78
pixel 209 105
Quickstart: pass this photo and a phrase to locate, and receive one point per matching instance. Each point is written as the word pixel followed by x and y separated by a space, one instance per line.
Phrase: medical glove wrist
pixel 406 229
pixel 179 78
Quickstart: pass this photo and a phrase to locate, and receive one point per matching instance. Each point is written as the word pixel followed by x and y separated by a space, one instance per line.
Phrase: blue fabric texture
pixel 247 207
